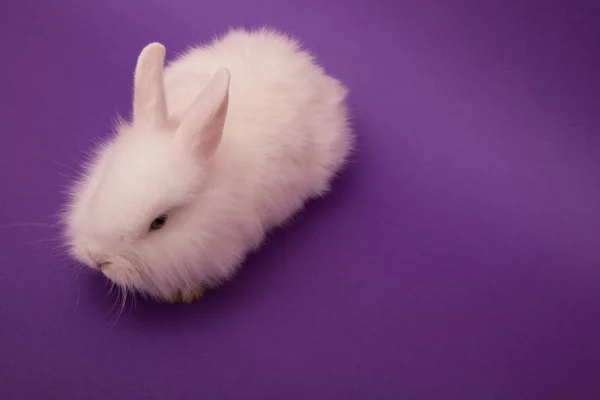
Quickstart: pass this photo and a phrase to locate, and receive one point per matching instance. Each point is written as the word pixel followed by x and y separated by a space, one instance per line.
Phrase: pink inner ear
pixel 211 134
pixel 203 126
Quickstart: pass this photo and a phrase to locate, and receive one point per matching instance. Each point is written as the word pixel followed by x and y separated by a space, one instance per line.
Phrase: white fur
pixel 285 136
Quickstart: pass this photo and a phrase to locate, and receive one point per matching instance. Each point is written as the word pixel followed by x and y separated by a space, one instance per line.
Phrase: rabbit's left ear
pixel 149 103
pixel 202 127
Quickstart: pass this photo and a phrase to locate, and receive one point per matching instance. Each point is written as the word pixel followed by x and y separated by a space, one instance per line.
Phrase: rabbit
pixel 226 142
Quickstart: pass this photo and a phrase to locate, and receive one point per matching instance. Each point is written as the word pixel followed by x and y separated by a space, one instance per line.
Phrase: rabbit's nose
pixel 96 258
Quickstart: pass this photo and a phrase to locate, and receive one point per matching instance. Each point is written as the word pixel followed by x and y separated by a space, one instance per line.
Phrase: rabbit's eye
pixel 158 222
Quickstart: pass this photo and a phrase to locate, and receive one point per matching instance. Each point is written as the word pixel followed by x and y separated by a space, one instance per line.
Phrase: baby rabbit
pixel 228 141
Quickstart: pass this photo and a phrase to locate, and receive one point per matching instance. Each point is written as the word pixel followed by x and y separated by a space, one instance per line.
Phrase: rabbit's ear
pixel 202 127
pixel 149 103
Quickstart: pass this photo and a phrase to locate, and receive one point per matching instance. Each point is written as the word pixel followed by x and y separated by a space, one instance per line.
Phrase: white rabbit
pixel 231 141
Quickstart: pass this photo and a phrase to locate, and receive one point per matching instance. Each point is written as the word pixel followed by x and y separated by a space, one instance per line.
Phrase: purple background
pixel 457 258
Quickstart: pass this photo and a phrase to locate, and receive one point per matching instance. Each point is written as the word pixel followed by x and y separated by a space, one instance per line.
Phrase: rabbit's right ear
pixel 149 103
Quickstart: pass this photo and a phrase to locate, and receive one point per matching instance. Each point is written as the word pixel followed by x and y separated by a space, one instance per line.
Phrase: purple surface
pixel 458 257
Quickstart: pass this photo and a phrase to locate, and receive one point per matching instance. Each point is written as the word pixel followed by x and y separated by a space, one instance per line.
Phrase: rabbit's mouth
pixel 132 274
pixel 103 265
pixel 118 272
pixel 122 271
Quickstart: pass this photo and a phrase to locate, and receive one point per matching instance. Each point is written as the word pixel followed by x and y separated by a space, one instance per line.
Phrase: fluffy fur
pixel 229 140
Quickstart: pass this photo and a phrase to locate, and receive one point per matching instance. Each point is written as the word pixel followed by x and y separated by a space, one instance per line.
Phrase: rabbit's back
pixel 286 130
